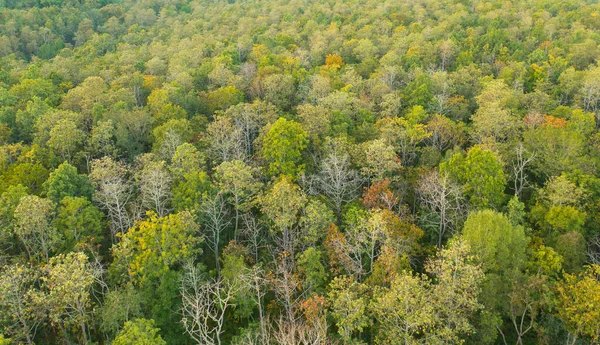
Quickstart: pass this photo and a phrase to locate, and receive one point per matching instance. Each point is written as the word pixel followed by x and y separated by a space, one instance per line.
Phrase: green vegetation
pixel 253 172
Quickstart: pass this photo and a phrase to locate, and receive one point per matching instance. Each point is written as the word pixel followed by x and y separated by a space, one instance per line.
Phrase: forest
pixel 299 172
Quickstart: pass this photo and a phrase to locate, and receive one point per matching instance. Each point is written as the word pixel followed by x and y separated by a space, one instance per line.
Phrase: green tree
pixel 139 332
pixel 282 147
pixel 65 138
pixel 481 174
pixel 65 181
pixel 349 302
pixel 282 205
pixel 237 180
pixel 499 244
pixel 79 222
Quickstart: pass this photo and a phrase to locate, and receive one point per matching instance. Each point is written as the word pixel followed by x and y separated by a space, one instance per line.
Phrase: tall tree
pixel 282 146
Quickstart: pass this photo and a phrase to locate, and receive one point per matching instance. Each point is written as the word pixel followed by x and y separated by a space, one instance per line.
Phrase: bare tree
pixel 520 163
pixel 204 305
pixel 154 182
pixel 299 332
pixel 255 280
pixel 254 234
pixel 365 239
pixel 337 180
pixel 444 201
pixel 286 285
pixel 214 211
pixel 113 192
pixel 226 141
pixel 593 250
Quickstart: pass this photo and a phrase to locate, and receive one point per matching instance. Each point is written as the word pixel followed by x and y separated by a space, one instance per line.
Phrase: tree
pixel 139 332
pixel 481 175
pixel 65 138
pixel 590 91
pixel 9 200
pixel 169 136
pixel 579 304
pixel 416 310
pixel 249 118
pixel 282 205
pixel 379 196
pixel 205 304
pixel 68 286
pixel 498 244
pixel 337 180
pixel 187 159
pixel 20 314
pixel 556 147
pixel 501 250
pixel 154 183
pixel 119 306
pixel 282 147
pixel 65 181
pixel 154 246
pixel 444 203
pixel 280 89
pixel 79 222
pixel 237 180
pixel 33 227
pixel 380 160
pixel 445 133
pixel 225 140
pixel 519 166
pixel 311 267
pixel 189 189
pixel 113 192
pixel 404 135
pixel 348 306
pixel 102 140
pixel 215 221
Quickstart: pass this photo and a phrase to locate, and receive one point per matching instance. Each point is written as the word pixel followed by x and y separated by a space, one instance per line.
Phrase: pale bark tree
pixel 204 305
pixel 337 180
pixel 214 212
pixel 226 141
pixel 113 192
pixel 593 250
pixel 590 92
pixel 254 234
pixel 444 200
pixel 249 119
pixel 299 332
pixel 519 168
pixel 154 183
pixel 256 281
pixel 366 237
pixel 286 285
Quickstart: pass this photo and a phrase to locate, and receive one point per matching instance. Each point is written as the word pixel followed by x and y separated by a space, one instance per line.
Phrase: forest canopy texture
pixel 299 172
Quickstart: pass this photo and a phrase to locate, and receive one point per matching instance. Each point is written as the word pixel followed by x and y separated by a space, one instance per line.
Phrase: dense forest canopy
pixel 299 172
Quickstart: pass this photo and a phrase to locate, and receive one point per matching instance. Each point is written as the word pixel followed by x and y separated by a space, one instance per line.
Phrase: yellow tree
pixel 579 304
